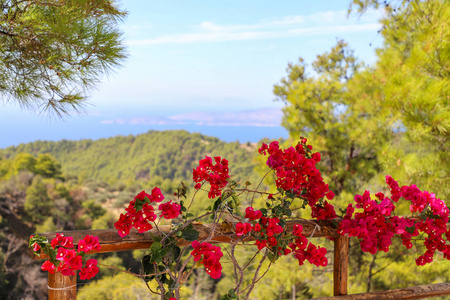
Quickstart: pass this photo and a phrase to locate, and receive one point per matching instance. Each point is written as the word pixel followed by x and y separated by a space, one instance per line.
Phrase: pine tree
pixel 53 51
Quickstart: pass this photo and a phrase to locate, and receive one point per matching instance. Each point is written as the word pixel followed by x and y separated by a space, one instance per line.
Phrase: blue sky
pixel 206 66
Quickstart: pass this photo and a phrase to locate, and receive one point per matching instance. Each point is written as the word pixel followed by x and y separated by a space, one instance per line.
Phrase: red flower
pixel 75 263
pixel 36 247
pixel 157 195
pixel 252 214
pixel 298 229
pixel 48 266
pixel 243 228
pixel 123 225
pixel 88 243
pixel 169 210
pixel 64 254
pixel 211 257
pixel 256 227
pixel 261 244
pixel 330 195
pixel 142 195
pixel 65 269
pixel 61 240
pixel 216 174
pixel 90 270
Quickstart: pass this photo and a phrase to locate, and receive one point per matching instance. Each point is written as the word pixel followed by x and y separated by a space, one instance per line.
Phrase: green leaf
pixel 175 252
pixel 37 239
pixel 155 247
pixel 411 229
pixel 139 203
pixel 217 203
pixel 157 257
pixel 288 212
pixel 190 234
pixel 147 267
pixel 155 238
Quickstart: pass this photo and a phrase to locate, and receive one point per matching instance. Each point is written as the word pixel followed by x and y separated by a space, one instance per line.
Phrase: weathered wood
pixel 62 287
pixel 110 241
pixel 416 292
pixel 340 272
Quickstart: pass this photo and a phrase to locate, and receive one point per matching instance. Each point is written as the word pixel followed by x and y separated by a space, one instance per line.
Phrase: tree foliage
pixel 52 51
pixel 391 117
pixel 414 70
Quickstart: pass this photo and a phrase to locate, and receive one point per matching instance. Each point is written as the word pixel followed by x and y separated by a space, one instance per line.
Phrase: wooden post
pixel 62 287
pixel 340 267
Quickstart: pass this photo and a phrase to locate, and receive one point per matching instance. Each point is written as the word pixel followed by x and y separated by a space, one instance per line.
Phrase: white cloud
pixel 286 27
pixel 269 117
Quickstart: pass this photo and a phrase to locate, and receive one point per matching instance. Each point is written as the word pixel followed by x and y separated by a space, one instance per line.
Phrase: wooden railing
pixel 64 287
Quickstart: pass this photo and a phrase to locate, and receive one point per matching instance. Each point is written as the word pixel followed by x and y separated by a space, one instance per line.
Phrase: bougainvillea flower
pixel 169 210
pixel 48 266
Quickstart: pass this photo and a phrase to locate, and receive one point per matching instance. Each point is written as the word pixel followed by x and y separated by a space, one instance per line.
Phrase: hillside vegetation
pixel 150 156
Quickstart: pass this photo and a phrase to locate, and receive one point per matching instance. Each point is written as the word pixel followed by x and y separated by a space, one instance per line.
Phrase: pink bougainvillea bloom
pixel 216 174
pixel 48 266
pixel 124 224
pixel 88 243
pixel 156 195
pixel 90 270
pixel 36 247
pixel 169 210
pixel 243 228
pixel 209 256
pixel 252 214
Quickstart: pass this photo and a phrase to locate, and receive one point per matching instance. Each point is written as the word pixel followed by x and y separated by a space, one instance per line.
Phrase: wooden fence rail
pixel 64 287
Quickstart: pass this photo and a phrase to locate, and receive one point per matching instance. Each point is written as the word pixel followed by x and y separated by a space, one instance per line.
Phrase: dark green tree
pixel 37 202
pixel 52 51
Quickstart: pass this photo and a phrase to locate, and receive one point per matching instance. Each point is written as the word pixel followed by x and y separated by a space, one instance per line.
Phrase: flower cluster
pixel 295 170
pixel 68 260
pixel 140 212
pixel 434 218
pixel 209 256
pixel 252 215
pixel 306 251
pixel 216 175
pixel 268 232
pixel 375 226
pixel 169 210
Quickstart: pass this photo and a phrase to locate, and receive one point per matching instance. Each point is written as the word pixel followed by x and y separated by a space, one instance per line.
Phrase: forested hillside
pixel 154 156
